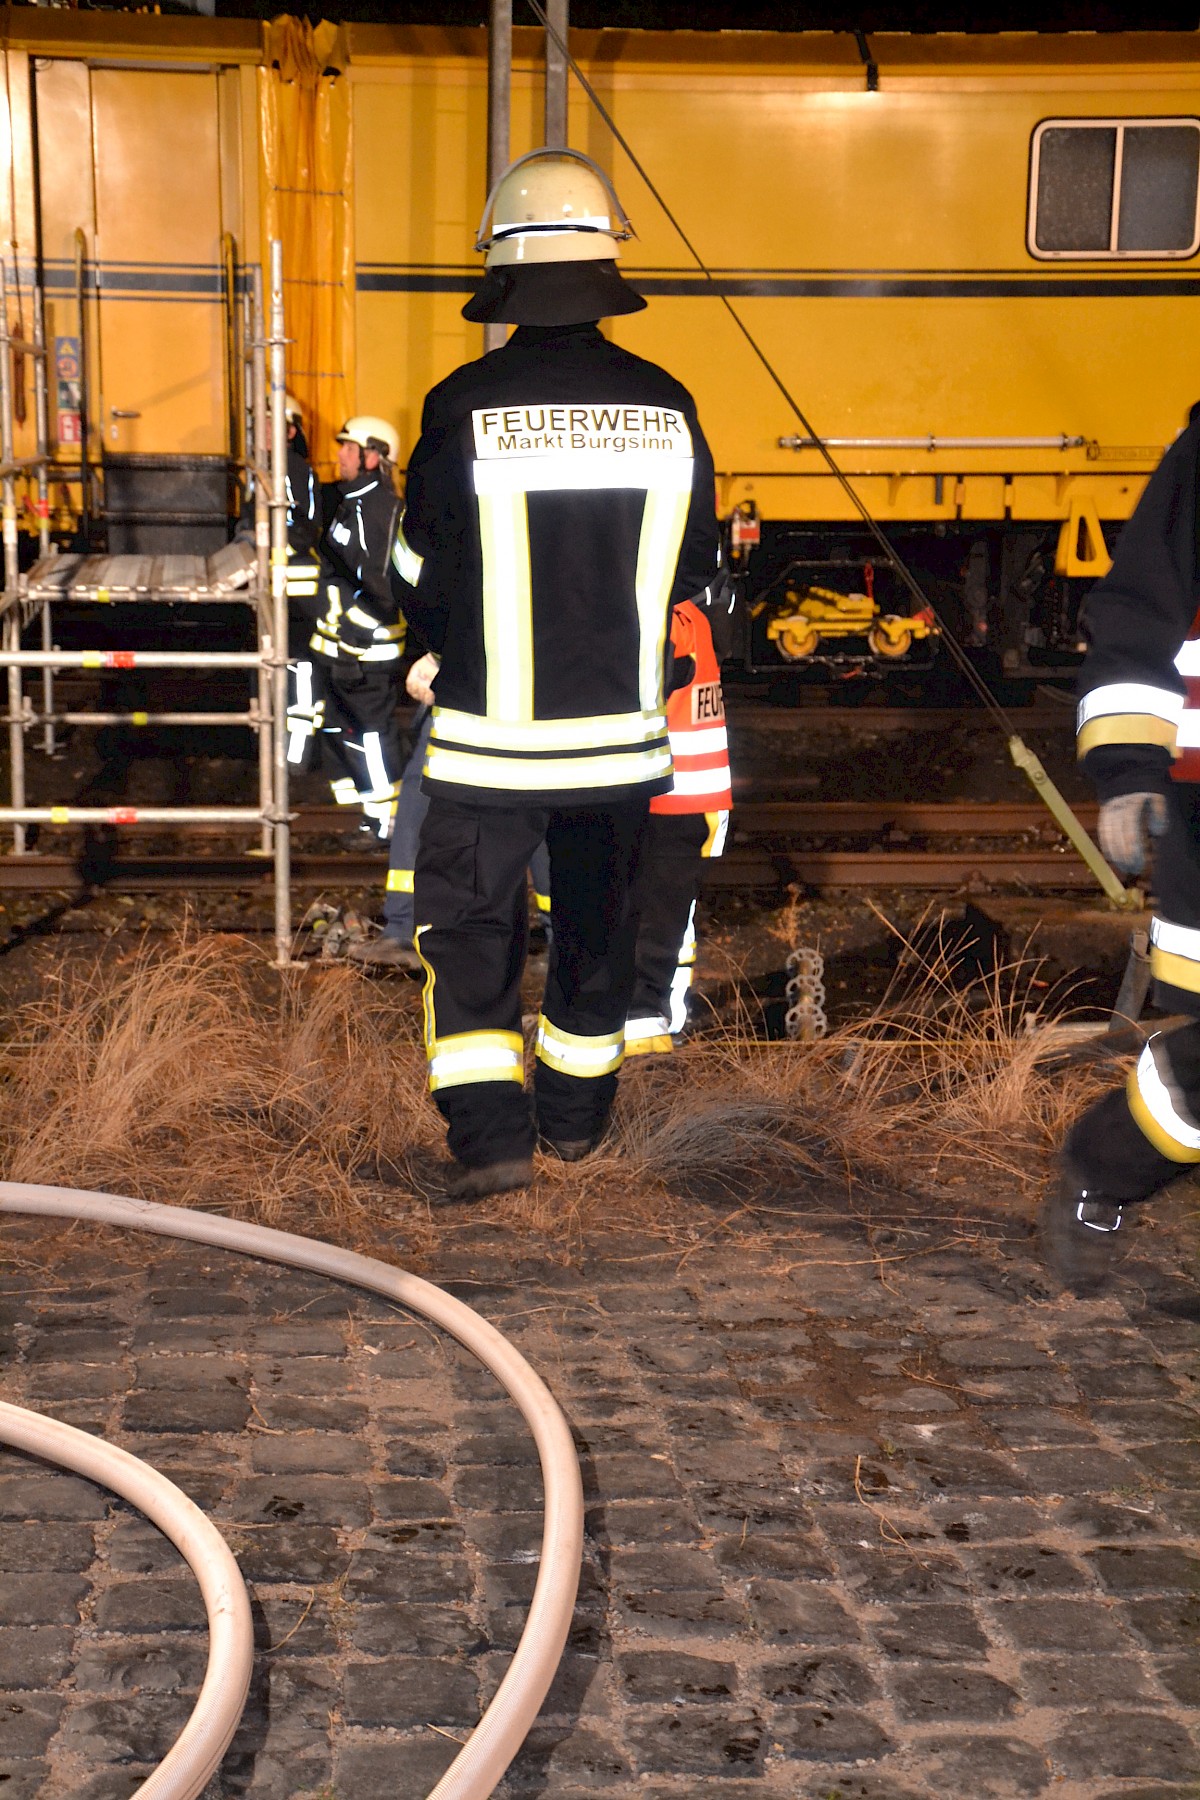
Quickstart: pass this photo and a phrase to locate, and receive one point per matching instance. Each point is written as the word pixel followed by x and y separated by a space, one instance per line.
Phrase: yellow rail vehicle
pixel 972 259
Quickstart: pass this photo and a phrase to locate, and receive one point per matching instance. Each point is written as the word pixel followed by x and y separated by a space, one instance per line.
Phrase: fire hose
pixel 198 1750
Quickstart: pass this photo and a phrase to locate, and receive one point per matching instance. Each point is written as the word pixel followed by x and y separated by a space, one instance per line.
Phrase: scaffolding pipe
pixel 128 659
pixel 250 719
pixel 85 498
pixel 256 453
pixel 279 619
pixel 557 21
pixel 499 118
pixel 12 618
pixel 129 815
pixel 42 419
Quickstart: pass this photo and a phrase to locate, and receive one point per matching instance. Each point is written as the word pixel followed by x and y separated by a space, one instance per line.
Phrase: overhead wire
pixel 895 560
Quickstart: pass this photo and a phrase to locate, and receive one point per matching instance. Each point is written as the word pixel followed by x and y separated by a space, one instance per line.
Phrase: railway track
pixel 778 842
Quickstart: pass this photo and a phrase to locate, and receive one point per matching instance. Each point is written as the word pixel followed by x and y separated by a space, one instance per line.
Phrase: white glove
pixel 419 680
pixel 1125 825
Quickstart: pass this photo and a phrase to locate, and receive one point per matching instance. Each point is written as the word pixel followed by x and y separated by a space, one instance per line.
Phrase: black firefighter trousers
pixel 1135 1140
pixel 471 932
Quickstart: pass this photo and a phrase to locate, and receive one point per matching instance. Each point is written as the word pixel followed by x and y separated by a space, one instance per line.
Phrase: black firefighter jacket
pixel 359 616
pixel 1137 617
pixel 559 502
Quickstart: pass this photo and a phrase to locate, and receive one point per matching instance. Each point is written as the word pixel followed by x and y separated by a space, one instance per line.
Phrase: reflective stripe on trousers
pixel 1158 1105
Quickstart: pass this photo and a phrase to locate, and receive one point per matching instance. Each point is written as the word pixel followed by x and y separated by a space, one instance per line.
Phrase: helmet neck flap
pixel 561 293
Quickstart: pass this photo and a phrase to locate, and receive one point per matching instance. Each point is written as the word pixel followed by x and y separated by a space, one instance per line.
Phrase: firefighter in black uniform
pixel 1139 740
pixel 358 635
pixel 560 500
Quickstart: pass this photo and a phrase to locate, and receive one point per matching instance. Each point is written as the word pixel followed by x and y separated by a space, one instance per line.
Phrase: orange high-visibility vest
pixel 696 723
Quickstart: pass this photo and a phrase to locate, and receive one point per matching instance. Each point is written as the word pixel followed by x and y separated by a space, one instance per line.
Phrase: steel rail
pixel 743 867
pixel 932 870
pixel 945 818
pixel 760 717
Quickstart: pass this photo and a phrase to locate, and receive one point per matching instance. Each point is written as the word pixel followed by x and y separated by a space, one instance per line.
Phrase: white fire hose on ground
pixel 197 1752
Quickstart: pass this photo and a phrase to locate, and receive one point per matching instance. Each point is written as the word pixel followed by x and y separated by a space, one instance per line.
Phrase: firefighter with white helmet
pixel 358 634
pixel 559 503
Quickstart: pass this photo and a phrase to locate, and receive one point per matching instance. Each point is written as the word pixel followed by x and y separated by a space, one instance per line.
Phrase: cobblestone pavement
pixel 868 1519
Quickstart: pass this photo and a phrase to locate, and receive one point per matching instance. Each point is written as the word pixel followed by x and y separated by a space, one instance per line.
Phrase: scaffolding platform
pixel 230 573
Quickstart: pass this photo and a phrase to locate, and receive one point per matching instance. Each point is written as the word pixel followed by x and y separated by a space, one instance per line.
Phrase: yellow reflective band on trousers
pixel 582 1056
pixel 428 1028
pixel 469 1056
pixel 1156 1110
pixel 718 831
pixel 647 1036
pixel 1175 955
pixel 465 1056
pixel 507 605
pixel 541 901
pixel 399 881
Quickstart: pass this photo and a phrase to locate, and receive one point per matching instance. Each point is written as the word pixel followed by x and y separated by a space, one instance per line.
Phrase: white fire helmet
pixel 552 205
pixel 371 433
pixel 292 410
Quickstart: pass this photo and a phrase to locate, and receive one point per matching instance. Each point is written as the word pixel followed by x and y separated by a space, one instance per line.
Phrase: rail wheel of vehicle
pixel 795 644
pixel 886 640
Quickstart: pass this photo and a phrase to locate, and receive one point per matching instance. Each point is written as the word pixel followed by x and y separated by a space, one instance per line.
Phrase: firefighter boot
pixel 1081 1232
pixel 464 1183
pixel 385 952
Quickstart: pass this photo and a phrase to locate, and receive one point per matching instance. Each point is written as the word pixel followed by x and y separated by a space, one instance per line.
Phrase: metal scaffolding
pixel 255 574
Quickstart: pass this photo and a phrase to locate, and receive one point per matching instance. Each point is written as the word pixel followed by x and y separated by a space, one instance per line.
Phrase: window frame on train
pixel 1113 251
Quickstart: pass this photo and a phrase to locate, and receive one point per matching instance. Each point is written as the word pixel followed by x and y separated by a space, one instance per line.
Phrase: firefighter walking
pixel 559 502
pixel 358 633
pixel 1139 739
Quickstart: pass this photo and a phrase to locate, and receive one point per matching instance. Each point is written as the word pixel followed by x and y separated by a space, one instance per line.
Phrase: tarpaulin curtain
pixel 307 200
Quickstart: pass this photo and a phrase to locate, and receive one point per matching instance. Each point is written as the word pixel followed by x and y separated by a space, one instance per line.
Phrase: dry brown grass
pixel 195 1074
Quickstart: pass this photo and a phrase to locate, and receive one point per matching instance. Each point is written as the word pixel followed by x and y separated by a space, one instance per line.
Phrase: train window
pixel 1114 187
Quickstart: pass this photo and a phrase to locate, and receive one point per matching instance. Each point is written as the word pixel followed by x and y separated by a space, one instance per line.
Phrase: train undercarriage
pixel 823 603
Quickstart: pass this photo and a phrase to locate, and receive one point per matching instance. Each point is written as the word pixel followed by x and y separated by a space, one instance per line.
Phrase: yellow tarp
pixel 307 200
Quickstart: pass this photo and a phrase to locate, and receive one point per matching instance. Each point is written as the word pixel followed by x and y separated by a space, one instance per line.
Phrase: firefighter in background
pixel 1139 739
pixel 358 634
pixel 393 948
pixel 559 502
pixel 687 826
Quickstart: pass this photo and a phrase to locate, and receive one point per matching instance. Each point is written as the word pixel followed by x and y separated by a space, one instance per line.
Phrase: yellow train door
pixel 156 161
